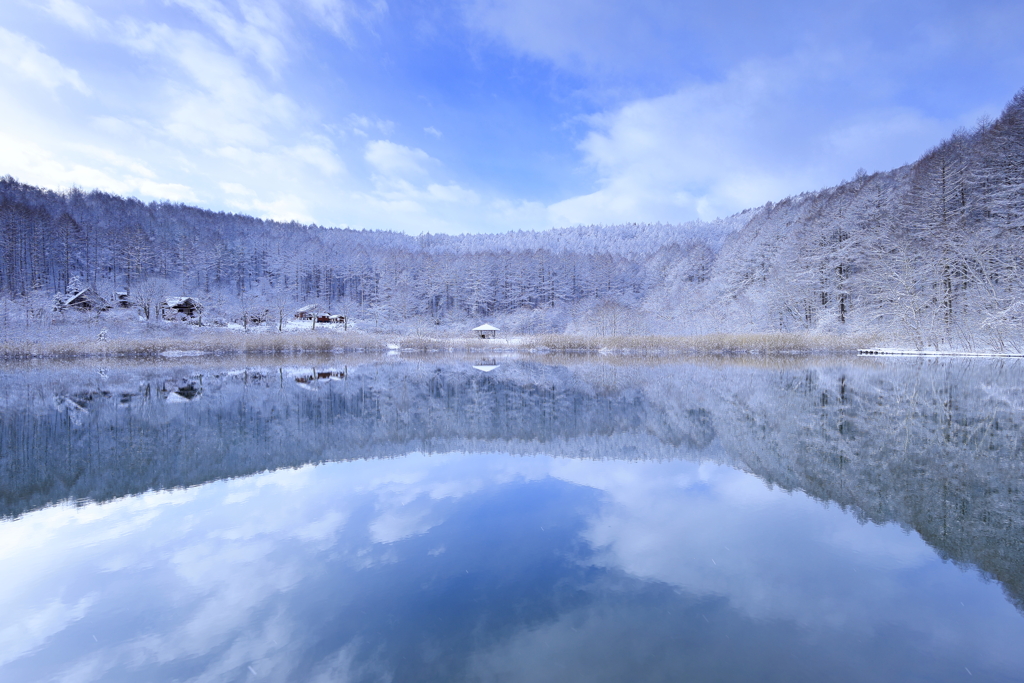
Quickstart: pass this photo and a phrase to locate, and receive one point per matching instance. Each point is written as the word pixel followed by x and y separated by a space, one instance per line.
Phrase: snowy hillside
pixel 929 255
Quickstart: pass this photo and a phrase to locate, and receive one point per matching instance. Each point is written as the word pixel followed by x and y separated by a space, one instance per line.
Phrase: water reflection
pixel 652 553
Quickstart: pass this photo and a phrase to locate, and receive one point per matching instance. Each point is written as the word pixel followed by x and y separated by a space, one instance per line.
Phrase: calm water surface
pixel 391 520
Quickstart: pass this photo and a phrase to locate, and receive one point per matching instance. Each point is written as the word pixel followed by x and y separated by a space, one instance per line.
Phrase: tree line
pixel 927 254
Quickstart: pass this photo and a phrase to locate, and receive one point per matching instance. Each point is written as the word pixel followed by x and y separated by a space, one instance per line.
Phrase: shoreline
pixel 221 343
pixel 937 354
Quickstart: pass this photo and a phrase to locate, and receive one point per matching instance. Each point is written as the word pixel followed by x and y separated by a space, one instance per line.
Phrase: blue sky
pixel 489 115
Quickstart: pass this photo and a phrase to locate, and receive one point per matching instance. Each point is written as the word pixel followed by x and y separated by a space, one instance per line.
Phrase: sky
pixel 474 116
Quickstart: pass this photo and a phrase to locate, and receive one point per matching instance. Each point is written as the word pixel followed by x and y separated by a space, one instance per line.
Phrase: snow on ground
pixel 958 354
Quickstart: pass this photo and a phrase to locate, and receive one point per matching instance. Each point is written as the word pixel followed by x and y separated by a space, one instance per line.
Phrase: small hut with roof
pixel 486 331
pixel 83 299
pixel 180 308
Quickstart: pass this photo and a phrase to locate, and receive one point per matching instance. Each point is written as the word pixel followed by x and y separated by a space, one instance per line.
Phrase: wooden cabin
pixel 314 312
pixel 180 308
pixel 306 312
pixel 83 300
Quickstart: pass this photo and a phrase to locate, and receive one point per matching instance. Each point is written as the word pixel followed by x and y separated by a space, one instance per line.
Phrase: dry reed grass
pixel 228 342
pixel 766 343
pixel 215 342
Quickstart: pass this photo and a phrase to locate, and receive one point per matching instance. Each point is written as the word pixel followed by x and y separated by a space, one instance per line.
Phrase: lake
pixel 512 519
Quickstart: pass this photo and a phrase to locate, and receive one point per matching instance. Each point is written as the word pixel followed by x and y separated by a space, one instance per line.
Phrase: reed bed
pixel 767 343
pixel 202 342
pixel 219 342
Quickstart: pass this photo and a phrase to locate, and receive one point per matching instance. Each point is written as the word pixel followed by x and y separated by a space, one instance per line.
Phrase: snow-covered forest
pixel 928 255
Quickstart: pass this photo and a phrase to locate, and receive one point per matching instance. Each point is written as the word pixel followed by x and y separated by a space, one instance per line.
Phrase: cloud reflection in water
pixel 488 567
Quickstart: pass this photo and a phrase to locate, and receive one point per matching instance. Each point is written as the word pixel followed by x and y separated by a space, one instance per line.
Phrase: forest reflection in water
pixel 640 543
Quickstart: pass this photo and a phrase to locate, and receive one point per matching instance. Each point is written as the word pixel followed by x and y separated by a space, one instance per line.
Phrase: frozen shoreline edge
pixel 287 344
pixel 938 354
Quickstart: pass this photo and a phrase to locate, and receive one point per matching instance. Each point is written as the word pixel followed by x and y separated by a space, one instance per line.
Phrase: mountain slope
pixel 929 254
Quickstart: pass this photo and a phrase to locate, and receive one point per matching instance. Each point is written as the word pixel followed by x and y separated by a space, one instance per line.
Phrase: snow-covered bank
pixel 201 341
pixel 938 354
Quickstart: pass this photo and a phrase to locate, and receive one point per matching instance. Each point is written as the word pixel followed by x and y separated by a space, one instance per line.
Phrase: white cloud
pixel 398 161
pixel 65 165
pixel 258 35
pixel 321 156
pixel 237 188
pixel 26 58
pixel 580 35
pixel 709 150
pixel 709 109
pixel 217 91
pixel 76 16
pixel 407 197
pixel 338 16
pixel 452 193
pixel 115 160
pixel 174 192
pixel 364 125
pixel 219 104
pixel 285 208
pixel 202 118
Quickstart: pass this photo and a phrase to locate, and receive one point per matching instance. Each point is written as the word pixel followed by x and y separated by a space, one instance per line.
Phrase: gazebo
pixel 486 331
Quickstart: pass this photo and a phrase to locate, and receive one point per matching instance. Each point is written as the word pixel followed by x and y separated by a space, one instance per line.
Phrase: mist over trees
pixel 928 255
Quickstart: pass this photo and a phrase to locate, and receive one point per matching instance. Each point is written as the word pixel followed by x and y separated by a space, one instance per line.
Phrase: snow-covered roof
pixel 485 328
pixel 307 309
pixel 84 296
pixel 175 301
